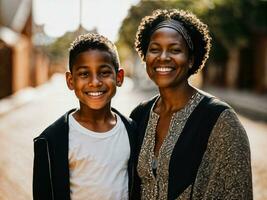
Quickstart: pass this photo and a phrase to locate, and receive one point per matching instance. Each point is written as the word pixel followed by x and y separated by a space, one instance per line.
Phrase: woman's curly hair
pixel 197 30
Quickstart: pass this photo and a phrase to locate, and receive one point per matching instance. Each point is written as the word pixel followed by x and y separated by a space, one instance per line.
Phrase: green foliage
pixel 257 17
pixel 226 21
pixel 231 22
pixel 130 23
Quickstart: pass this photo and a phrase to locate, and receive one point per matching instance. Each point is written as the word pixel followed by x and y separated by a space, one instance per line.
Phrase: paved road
pixel 19 127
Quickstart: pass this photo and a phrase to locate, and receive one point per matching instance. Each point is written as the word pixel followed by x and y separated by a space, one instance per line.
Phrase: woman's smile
pixel 163 69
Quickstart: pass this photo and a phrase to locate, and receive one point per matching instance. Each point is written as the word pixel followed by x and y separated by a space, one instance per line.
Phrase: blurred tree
pixel 57 51
pixel 227 25
pixel 233 25
pixel 257 23
pixel 130 24
pixel 257 18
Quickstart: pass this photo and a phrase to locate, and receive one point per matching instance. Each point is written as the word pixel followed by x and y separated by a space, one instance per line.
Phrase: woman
pixel 191 145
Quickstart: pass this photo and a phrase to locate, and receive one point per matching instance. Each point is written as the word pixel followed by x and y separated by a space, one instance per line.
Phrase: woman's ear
pixel 191 61
pixel 120 77
pixel 69 80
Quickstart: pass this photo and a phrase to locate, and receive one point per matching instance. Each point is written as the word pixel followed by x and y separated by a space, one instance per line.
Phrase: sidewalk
pixel 26 95
pixel 246 103
pixel 27 113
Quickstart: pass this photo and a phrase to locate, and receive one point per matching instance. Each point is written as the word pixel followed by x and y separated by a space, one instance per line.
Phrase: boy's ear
pixel 69 80
pixel 120 77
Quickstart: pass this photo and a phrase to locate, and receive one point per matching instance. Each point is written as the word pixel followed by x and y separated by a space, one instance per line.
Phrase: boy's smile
pixel 94 79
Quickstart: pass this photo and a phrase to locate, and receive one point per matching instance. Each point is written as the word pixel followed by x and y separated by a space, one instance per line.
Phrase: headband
pixel 170 23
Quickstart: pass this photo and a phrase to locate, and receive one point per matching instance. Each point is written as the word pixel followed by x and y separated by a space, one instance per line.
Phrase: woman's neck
pixel 174 99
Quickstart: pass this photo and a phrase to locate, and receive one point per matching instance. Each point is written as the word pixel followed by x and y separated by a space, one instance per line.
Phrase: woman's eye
pixel 175 50
pixel 154 50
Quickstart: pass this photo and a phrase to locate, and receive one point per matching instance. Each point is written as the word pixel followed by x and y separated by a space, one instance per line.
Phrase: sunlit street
pixel 217 46
pixel 48 102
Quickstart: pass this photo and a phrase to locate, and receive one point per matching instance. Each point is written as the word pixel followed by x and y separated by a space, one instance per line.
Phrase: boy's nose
pixel 95 81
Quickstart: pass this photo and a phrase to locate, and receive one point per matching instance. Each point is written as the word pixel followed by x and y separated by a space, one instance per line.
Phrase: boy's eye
pixel 105 73
pixel 83 74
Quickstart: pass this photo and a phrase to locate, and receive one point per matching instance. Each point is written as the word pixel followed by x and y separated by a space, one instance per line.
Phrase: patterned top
pixel 223 171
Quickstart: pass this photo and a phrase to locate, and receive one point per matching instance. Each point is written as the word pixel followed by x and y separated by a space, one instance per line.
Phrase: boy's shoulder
pixel 57 128
pixel 124 118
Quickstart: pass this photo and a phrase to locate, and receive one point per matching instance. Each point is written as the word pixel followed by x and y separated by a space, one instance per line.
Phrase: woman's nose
pixel 164 56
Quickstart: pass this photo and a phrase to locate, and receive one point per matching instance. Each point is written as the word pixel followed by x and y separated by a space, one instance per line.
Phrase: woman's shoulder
pixel 228 120
pixel 228 116
pixel 149 101
pixel 143 107
pixel 227 124
pixel 229 130
pixel 213 102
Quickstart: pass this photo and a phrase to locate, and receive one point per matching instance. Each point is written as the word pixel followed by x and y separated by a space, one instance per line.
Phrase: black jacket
pixel 51 165
pixel 189 149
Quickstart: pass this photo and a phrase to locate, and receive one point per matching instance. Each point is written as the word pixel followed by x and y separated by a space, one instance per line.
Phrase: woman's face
pixel 167 58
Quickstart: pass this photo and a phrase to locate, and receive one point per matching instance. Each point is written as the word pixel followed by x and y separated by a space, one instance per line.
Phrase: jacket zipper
pixel 49 166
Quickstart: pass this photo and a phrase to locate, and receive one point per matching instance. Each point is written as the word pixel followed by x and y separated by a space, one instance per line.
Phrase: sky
pixel 59 16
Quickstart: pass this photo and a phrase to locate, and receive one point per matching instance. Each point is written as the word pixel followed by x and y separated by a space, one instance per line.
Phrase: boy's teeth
pixel 94 93
pixel 163 69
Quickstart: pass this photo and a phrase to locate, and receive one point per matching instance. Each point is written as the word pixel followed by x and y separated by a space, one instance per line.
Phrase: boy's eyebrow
pixel 80 67
pixel 107 65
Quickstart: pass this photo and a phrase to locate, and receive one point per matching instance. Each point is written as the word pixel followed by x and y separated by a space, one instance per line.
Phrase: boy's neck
pixel 96 120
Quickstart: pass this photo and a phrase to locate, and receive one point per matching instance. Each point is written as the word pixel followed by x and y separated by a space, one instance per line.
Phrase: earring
pixel 190 66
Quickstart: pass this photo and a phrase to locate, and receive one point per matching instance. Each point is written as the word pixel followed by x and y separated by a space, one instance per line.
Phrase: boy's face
pixel 94 79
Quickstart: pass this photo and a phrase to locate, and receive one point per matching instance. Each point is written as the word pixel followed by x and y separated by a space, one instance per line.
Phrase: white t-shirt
pixel 98 162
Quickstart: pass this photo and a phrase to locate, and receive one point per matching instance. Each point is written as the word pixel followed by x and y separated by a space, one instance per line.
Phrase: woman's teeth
pixel 163 69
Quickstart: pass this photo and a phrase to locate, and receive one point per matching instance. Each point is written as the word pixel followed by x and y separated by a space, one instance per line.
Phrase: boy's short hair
pixel 93 41
pixel 197 30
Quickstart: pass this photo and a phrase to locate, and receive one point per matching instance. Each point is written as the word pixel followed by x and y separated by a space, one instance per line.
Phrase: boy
pixel 87 153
